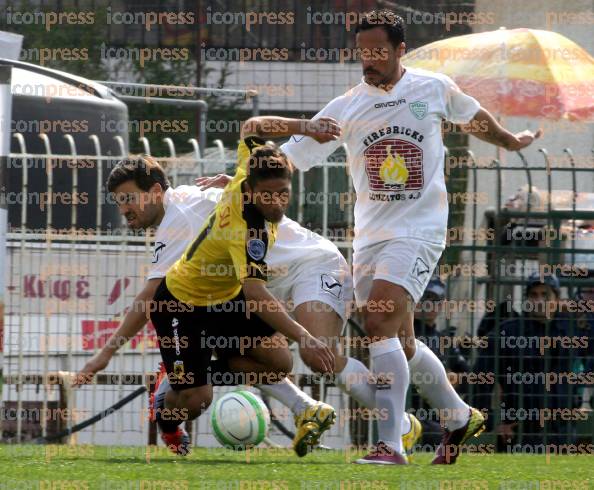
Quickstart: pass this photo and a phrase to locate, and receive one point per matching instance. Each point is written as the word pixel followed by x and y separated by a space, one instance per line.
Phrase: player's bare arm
pixel 216 181
pixel 322 130
pixel 133 322
pixel 485 127
pixel 315 353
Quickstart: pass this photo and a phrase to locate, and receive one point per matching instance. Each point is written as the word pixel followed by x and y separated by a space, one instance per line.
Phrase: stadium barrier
pixel 538 217
pixel 68 290
pixel 69 287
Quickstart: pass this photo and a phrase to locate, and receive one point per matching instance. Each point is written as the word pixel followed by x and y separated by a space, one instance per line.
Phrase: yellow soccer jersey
pixel 230 248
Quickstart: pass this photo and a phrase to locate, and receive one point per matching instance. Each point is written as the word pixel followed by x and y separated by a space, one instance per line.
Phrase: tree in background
pixel 80 49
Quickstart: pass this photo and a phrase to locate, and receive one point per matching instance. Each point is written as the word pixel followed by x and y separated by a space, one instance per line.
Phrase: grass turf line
pixel 101 467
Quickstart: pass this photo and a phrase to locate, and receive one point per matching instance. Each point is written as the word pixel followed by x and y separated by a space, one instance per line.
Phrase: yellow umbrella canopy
pixel 516 72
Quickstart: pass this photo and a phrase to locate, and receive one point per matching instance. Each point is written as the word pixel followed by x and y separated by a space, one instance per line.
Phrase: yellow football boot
pixel 310 425
pixel 452 441
pixel 412 436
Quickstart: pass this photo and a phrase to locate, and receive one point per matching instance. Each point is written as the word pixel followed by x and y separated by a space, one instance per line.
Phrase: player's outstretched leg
pixel 461 421
pixel 172 434
pixel 430 378
pixel 312 418
pixel 352 376
pixel 169 408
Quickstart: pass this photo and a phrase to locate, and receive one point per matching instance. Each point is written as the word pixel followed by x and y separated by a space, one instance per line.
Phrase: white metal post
pixel 5 127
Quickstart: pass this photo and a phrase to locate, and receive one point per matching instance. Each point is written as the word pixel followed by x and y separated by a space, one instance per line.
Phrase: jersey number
pixel 201 237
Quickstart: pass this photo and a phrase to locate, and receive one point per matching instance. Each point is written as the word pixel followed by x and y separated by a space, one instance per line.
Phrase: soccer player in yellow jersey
pixel 215 298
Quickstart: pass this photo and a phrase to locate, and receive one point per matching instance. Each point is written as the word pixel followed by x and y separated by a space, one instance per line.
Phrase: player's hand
pixel 97 363
pixel 219 181
pixel 323 129
pixel 316 355
pixel 523 139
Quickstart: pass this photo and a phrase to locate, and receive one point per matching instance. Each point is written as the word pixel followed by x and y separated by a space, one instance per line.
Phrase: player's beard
pixel 381 79
pixel 138 221
pixel 378 78
pixel 132 221
pixel 276 216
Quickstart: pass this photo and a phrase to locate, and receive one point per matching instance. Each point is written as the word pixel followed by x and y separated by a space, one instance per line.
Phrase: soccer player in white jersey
pixel 392 125
pixel 179 214
pixel 307 273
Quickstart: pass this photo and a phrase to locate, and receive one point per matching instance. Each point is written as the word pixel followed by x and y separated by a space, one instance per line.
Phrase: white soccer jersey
pixel 186 210
pixel 396 154
pixel 296 244
pixel 188 207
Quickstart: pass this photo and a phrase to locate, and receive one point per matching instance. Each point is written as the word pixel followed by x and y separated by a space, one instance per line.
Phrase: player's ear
pixel 156 188
pixel 248 187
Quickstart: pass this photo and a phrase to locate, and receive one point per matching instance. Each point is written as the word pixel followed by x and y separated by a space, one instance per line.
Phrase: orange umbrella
pixel 516 72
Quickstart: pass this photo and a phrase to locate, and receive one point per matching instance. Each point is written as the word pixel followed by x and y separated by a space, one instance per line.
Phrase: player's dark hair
pixel 392 23
pixel 143 170
pixel 268 162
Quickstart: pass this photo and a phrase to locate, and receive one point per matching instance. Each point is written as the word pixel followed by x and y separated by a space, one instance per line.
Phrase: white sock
pixel 391 371
pixel 289 395
pixel 355 381
pixel 406 424
pixel 429 376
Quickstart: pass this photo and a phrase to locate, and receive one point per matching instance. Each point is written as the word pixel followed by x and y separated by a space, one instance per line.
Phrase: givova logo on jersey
pixel 394 165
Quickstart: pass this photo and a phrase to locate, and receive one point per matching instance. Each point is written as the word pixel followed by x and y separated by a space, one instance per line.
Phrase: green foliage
pixel 73 48
pixel 80 49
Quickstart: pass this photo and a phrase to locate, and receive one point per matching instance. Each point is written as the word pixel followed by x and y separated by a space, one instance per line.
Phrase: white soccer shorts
pixel 403 261
pixel 327 280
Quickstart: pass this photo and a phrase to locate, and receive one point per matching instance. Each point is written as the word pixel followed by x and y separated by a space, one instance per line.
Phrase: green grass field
pixel 110 468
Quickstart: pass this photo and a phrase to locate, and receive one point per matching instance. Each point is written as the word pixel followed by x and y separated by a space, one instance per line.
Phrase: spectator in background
pixel 443 344
pixel 426 316
pixel 502 312
pixel 584 326
pixel 533 370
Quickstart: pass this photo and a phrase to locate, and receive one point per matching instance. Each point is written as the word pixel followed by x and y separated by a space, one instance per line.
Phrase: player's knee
pixel 282 363
pixel 379 325
pixel 286 362
pixel 196 401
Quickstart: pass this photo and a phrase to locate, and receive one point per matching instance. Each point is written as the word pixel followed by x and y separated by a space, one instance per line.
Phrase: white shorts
pixel 403 261
pixel 327 280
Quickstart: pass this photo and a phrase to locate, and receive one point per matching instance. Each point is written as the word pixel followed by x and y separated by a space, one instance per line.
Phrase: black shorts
pixel 189 334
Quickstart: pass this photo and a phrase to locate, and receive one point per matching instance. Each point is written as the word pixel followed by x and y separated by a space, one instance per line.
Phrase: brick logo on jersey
pixel 394 165
pixel 419 109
